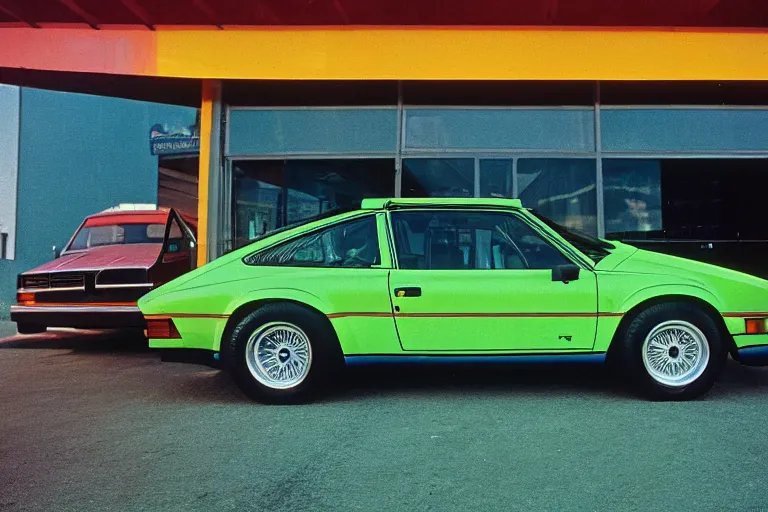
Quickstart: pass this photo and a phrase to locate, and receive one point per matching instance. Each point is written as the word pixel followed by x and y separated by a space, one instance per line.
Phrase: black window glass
pixel 438 177
pixel 444 240
pixel 352 244
pixel 496 178
pixel 685 199
pixel 563 189
pixel 271 194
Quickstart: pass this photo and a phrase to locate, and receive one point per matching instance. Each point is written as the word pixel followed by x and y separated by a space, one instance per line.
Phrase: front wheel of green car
pixel 282 353
pixel 672 351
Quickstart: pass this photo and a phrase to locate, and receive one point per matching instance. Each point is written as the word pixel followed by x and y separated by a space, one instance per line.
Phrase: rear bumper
pixel 753 350
pixel 754 356
pixel 192 356
pixel 79 316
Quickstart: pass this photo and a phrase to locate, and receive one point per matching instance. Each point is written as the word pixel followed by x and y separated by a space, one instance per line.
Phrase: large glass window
pixel 563 189
pixel 496 178
pixel 685 199
pixel 443 240
pixel 557 129
pixel 274 193
pixel 352 244
pixel 684 129
pixel 438 177
pixel 312 131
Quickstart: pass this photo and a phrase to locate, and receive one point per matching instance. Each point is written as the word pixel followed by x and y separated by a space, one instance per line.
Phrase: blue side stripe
pixel 760 351
pixel 362 360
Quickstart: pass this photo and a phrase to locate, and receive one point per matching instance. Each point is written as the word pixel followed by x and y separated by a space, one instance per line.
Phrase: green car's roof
pixel 390 203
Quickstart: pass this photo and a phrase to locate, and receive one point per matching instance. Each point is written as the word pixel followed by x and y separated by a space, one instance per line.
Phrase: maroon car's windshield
pixel 115 234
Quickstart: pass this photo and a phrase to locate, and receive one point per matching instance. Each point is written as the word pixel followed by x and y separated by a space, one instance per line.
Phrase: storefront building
pixel 612 159
pixel 646 123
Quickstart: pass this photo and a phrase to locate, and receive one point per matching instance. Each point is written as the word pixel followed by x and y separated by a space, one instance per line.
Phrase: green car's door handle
pixel 408 291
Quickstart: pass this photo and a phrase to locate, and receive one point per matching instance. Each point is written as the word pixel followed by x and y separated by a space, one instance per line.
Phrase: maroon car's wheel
pixel 282 353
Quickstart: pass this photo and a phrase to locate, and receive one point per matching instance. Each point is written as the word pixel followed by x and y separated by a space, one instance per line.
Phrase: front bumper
pixel 78 316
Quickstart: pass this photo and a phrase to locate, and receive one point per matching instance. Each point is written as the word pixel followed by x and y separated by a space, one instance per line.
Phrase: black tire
pixel 326 356
pixel 30 328
pixel 627 354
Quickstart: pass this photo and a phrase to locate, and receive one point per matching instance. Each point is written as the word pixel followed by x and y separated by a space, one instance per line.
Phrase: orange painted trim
pixel 204 171
pixel 459 53
pixel 343 315
pixel 396 53
pixel 80 304
pixel 475 315
pixel 171 316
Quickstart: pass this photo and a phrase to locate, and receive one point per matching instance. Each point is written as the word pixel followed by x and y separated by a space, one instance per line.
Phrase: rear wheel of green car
pixel 671 351
pixel 282 353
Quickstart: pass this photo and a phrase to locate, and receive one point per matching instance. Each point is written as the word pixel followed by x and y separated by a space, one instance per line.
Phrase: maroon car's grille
pixel 34 282
pixel 68 280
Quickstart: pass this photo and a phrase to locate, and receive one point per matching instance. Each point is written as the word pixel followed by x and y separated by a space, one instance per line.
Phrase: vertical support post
pixel 400 139
pixel 515 182
pixel 209 176
pixel 599 166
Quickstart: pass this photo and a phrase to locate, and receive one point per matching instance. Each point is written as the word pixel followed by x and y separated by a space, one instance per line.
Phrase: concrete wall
pixel 9 165
pixel 78 154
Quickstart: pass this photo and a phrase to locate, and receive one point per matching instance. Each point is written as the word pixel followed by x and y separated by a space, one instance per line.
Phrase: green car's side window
pixel 352 244
pixel 460 240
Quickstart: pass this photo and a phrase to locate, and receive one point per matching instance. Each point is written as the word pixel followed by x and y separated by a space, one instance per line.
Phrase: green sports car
pixel 456 281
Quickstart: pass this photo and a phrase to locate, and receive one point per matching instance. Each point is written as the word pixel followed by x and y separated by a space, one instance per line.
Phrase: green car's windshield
pixel 593 247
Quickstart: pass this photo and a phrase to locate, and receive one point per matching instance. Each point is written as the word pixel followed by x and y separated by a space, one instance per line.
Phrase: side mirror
pixel 56 253
pixel 566 273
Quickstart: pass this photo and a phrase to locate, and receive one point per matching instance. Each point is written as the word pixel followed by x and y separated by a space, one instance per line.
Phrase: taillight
pixel 161 328
pixel 25 298
pixel 756 325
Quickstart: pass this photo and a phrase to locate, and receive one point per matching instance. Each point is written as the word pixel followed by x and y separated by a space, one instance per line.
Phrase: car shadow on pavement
pixel 493 379
pixel 80 341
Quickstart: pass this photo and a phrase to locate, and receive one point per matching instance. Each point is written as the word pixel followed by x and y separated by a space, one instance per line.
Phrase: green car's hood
pixel 647 262
pixel 728 290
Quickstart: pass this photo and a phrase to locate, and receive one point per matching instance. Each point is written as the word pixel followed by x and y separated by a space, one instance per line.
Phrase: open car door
pixel 179 253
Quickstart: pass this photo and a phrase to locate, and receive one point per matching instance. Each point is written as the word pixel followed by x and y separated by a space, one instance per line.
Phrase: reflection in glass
pixel 496 178
pixel 685 199
pixel 271 194
pixel 438 177
pixel 563 189
pixel 632 197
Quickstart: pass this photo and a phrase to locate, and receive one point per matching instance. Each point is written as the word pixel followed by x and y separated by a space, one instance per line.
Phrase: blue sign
pixel 174 141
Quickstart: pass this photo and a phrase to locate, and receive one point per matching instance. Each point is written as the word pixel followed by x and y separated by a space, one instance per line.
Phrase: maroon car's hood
pixel 108 256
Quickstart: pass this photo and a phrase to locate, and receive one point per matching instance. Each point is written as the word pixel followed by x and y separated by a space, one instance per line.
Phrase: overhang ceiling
pixel 223 13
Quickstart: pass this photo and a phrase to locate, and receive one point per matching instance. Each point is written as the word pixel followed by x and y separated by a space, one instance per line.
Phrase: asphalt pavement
pixel 97 422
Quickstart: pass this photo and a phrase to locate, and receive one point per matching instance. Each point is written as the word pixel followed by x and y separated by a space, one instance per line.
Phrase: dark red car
pixel 114 258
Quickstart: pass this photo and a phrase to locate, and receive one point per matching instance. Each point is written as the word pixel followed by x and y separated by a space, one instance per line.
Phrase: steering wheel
pixel 512 243
pixel 353 258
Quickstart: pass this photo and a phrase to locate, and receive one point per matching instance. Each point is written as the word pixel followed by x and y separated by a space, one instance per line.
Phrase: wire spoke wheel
pixel 675 353
pixel 279 355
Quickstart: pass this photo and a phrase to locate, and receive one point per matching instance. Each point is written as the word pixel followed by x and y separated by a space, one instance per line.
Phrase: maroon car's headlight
pixel 161 328
pixel 34 281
